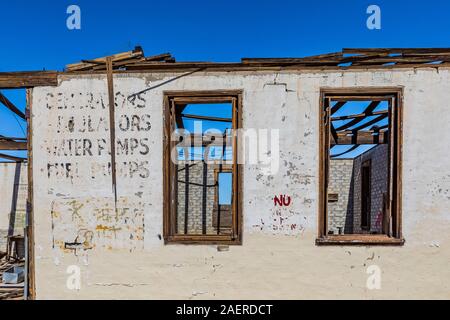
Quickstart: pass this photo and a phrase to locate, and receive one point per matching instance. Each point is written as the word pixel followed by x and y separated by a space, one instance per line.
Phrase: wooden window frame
pixel 395 155
pixel 171 98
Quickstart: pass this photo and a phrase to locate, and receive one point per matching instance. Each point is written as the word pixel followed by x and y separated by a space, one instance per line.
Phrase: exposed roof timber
pixel 347 59
pixel 394 50
pixel 12 138
pixel 136 53
pixel 371 122
pixel 5 101
pixel 361 137
pixel 368 111
pixel 12 145
pixel 12 158
pixel 337 106
pixel 360 115
pixel 119 60
pixel 207 118
pixel 178 118
pixel 28 79
pixel 345 152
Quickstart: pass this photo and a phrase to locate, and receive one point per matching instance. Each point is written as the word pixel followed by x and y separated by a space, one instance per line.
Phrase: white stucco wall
pixel 124 256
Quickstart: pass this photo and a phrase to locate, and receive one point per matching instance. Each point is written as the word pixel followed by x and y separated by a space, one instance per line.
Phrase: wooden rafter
pixel 368 111
pixel 12 158
pixel 371 122
pixel 361 137
pixel 7 103
pixel 12 145
pixel 28 79
pixel 354 147
pixel 217 119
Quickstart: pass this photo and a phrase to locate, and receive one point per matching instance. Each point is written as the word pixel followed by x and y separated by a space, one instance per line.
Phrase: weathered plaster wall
pixel 13 195
pixel 124 256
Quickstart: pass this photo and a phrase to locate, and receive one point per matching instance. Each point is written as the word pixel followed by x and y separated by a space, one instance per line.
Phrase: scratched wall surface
pixel 73 197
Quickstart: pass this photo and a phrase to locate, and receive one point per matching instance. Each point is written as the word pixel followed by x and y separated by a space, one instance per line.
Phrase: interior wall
pixel 73 199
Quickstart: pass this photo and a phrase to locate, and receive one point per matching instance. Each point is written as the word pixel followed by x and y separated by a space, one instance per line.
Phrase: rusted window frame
pixel 395 150
pixel 200 97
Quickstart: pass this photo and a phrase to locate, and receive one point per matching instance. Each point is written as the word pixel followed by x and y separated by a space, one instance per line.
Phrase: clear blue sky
pixel 34 34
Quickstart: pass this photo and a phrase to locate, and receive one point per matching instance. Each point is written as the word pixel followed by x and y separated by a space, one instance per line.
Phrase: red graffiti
pixel 282 200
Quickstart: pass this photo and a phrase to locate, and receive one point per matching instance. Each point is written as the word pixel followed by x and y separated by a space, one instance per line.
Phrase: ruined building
pixel 148 178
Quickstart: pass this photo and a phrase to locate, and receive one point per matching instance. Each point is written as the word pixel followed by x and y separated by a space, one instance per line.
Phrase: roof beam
pixel 12 145
pixel 361 137
pixel 218 119
pixel 367 112
pixel 360 115
pixel 5 101
pixel 12 158
pixel 28 79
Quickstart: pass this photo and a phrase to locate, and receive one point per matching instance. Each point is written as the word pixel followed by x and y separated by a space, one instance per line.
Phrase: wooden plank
pixel 12 158
pixel 368 111
pixel 360 115
pixel 361 137
pixel 7 103
pixel 136 53
pixel 29 222
pixel 9 80
pixel 359 239
pixel 12 145
pixel 394 50
pixel 197 117
pixel 371 122
pixel 112 124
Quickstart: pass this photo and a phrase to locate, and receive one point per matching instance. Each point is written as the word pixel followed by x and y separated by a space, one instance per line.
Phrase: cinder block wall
pixel 379 179
pixel 195 217
pixel 345 180
pixel 340 213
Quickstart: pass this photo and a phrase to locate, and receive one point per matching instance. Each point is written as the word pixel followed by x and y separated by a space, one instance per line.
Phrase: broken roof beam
pixel 7 103
pixel 9 80
pixel 360 115
pixel 361 137
pixel 395 50
pixel 12 145
pixel 81 66
pixel 206 118
pixel 12 158
pixel 334 57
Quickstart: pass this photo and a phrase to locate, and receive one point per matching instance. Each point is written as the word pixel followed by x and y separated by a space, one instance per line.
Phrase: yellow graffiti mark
pixel 106 228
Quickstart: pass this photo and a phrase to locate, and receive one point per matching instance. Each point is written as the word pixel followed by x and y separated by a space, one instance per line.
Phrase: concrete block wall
pixel 340 213
pixel 195 217
pixel 379 158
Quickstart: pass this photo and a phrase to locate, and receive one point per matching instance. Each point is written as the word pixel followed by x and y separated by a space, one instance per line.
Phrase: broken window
pixel 202 176
pixel 360 167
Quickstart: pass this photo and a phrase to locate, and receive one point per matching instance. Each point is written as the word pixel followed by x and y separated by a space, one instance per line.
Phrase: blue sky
pixel 35 37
